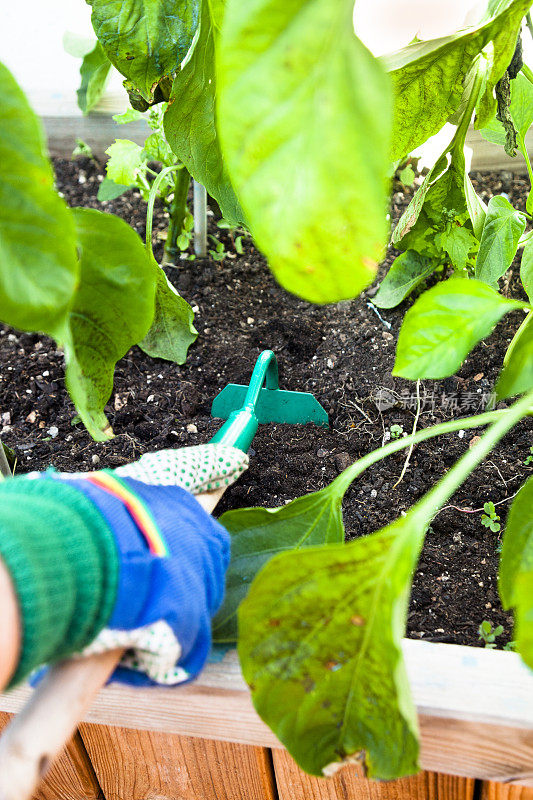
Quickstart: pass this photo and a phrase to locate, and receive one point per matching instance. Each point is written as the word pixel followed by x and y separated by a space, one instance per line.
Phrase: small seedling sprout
pixel 82 150
pixel 488 634
pixel 396 431
pixel 490 518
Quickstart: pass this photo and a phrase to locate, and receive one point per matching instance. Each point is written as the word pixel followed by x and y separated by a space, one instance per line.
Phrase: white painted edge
pixel 99 131
pixel 448 681
pixel 472 684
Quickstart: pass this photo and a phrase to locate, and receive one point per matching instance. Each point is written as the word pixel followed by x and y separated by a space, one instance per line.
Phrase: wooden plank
pixel 488 156
pixel 63 123
pixel 98 131
pixel 71 777
pixel 500 791
pixel 167 766
pixel 475 708
pixel 349 784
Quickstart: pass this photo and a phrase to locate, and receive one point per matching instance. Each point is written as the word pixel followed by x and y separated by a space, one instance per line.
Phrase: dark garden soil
pixel 343 354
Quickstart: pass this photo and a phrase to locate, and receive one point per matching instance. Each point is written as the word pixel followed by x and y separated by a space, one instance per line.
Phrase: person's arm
pixel 10 634
pixel 135 541
pixel 115 560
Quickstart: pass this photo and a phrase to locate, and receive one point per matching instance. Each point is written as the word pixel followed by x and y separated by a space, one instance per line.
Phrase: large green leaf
pixel 146 40
pixel 516 569
pixel 499 241
pixel 517 374
pixel 526 269
pixel 94 72
pixel 443 326
pixel 38 264
pixel 437 221
pixel 190 122
pixel 304 119
pixel 408 220
pixel 406 273
pixel 319 632
pixel 112 311
pixel 257 534
pixel 319 643
pixel 428 76
pixel 172 331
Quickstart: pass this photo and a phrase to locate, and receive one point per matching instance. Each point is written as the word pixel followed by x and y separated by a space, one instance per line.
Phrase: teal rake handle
pixel 241 426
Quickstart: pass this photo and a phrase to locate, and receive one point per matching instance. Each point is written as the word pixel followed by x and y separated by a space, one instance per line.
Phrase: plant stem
pixel 529 24
pixel 523 150
pixel 200 219
pixel 151 200
pixel 410 451
pixel 436 497
pixel 527 321
pixel 178 209
pixel 458 140
pixel 144 181
pixel 346 478
pixel 5 470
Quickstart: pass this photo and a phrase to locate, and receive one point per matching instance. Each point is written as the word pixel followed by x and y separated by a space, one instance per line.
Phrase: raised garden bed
pixel 344 355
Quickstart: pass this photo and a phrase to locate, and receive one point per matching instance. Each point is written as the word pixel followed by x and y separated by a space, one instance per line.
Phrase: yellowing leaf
pixel 304 118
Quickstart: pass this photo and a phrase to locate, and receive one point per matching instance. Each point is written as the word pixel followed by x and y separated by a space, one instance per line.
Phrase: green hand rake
pixel 262 401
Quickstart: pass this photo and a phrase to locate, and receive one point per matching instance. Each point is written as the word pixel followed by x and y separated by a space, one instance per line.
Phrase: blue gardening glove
pixel 172 556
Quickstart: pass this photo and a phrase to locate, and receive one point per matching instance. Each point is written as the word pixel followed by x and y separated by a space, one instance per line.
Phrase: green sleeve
pixel 62 558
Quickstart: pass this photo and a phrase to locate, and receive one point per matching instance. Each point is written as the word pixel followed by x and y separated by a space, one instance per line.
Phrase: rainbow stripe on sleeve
pixel 137 508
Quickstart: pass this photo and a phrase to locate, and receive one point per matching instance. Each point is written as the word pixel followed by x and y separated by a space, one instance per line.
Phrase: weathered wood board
pixel 475 708
pixel 72 777
pixel 350 784
pixel 136 765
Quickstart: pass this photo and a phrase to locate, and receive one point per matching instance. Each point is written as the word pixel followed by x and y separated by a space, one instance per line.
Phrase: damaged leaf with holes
pixel 319 643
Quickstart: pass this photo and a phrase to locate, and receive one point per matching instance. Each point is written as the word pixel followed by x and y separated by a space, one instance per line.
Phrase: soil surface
pixel 341 353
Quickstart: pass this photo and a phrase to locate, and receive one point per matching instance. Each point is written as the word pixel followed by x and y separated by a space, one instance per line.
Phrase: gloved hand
pixel 120 558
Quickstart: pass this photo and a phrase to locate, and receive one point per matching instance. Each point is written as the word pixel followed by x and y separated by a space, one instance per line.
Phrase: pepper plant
pixel 320 624
pixel 129 165
pixel 78 275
